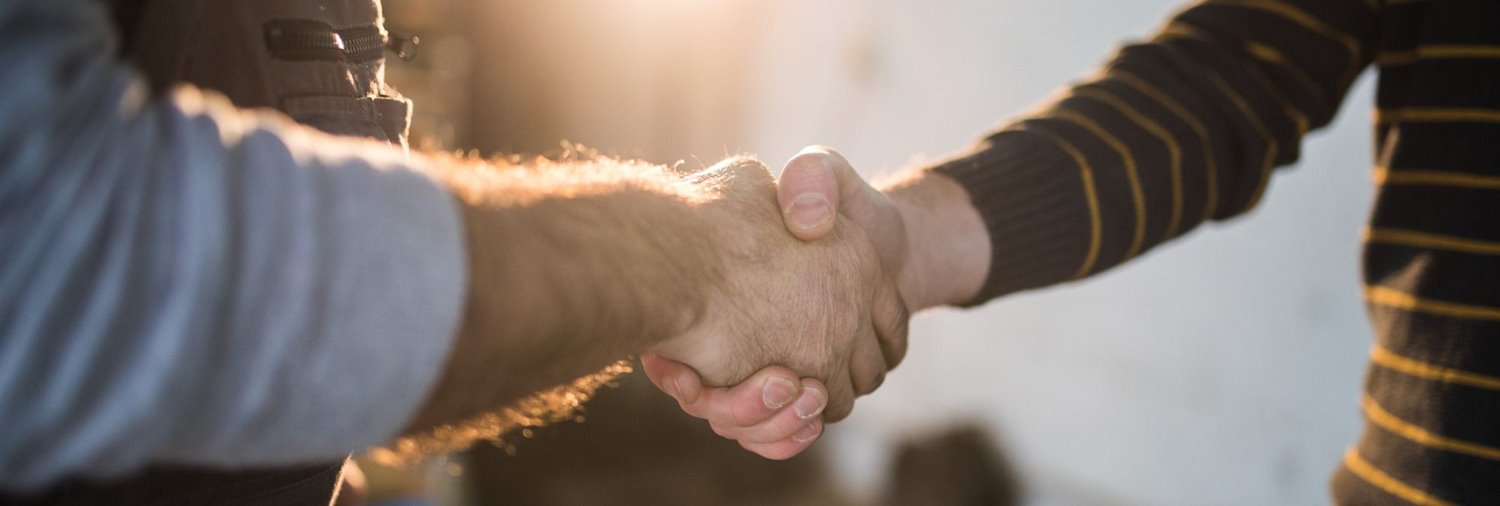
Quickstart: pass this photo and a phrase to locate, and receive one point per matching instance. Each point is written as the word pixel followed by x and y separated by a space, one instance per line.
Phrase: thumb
pixel 808 192
pixel 674 378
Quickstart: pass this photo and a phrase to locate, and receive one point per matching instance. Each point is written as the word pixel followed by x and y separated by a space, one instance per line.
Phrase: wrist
pixel 948 251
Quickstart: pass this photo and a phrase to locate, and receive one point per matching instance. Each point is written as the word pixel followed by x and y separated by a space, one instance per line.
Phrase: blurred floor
pixel 637 447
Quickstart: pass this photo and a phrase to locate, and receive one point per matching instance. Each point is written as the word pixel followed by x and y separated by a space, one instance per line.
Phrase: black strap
pixel 305 39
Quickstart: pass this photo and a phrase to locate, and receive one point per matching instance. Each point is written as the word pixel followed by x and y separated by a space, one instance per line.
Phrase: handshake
pixel 763 306
pixel 819 274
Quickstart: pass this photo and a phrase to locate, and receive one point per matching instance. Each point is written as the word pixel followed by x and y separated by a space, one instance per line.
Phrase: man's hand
pixel 828 309
pixel 575 264
pixel 923 229
pixel 773 413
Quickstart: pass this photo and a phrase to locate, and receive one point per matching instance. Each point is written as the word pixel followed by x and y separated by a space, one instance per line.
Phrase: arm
pixel 949 252
pixel 189 283
pixel 566 276
pixel 1174 132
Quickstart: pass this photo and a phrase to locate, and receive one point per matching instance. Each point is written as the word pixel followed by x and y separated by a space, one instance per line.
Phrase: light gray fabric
pixel 184 282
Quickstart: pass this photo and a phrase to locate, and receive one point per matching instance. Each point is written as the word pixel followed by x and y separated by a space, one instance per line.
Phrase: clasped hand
pixel 809 313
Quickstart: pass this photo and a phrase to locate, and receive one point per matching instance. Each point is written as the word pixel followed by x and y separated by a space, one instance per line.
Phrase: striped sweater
pixel 1189 126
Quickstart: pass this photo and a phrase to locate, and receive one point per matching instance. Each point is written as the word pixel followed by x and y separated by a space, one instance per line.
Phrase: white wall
pixel 1222 369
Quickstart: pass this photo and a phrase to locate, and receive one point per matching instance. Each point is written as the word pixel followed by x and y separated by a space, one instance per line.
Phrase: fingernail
pixel 809 211
pixel 777 392
pixel 810 404
pixel 806 433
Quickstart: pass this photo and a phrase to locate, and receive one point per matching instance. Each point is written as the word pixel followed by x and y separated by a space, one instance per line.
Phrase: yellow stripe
pixel 1383 296
pixel 1362 468
pixel 1268 54
pixel 1421 436
pixel 1250 117
pixel 1437 52
pixel 1308 21
pixel 1090 194
pixel 1188 31
pixel 1436 115
pixel 1137 196
pixel 1211 172
pixel 1433 241
pixel 1391 360
pixel 1298 117
pixel 1396 59
pixel 1178 28
pixel 1384 175
pixel 1174 152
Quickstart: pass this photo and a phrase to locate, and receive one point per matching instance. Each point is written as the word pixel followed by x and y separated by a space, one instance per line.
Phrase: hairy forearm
pixel 949 254
pixel 572 266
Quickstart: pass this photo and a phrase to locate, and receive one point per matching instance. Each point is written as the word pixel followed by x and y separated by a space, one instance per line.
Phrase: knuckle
pixel 838 410
pixel 719 430
pixel 896 356
pixel 896 344
pixel 836 415
pixel 748 167
pixel 870 380
pixel 875 383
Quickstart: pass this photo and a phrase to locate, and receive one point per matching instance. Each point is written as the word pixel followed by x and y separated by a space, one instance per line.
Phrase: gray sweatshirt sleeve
pixel 184 282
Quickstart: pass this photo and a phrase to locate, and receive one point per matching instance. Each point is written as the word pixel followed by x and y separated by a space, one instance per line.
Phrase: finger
pixel 787 422
pixel 674 378
pixel 867 361
pixel 840 398
pixel 751 402
pixel 808 191
pixel 892 323
pixel 790 447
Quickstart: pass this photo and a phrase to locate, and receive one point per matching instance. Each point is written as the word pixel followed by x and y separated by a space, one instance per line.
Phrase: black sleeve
pixel 1181 129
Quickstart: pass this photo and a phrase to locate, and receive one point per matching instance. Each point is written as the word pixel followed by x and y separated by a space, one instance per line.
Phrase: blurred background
pixel 1220 369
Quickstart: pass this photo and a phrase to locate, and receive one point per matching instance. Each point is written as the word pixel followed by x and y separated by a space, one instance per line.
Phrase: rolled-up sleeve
pixel 184 282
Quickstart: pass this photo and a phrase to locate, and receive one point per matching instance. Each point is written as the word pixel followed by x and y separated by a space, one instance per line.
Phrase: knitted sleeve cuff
pixel 1027 188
